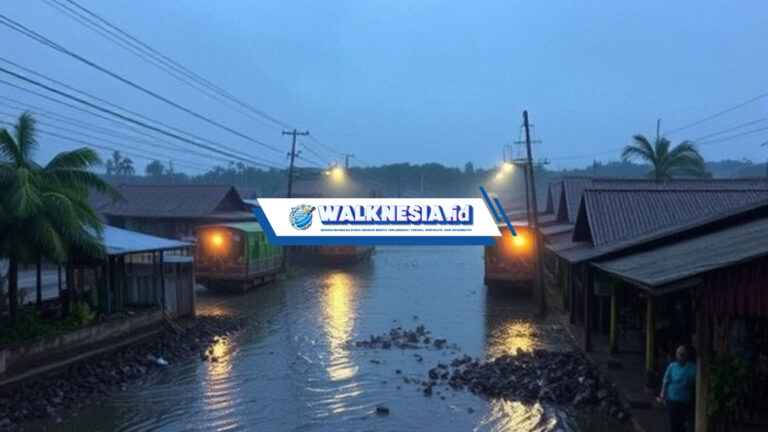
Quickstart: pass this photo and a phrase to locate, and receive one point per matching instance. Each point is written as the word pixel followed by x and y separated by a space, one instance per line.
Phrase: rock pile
pixel 76 386
pixel 563 378
pixel 404 339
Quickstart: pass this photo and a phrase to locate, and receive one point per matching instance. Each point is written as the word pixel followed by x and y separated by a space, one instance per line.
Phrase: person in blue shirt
pixel 678 389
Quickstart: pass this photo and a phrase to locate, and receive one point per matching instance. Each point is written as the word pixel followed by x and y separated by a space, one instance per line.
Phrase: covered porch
pixel 723 277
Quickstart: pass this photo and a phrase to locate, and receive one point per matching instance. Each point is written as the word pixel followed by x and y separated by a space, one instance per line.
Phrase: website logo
pixel 301 216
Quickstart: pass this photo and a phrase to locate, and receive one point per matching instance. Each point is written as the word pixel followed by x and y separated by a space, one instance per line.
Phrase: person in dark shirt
pixel 677 389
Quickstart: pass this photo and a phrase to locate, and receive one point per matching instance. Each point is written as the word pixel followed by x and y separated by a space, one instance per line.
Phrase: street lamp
pixel 336 173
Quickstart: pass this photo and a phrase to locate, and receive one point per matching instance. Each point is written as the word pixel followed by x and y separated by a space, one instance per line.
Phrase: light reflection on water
pixel 339 297
pixel 511 336
pixel 294 369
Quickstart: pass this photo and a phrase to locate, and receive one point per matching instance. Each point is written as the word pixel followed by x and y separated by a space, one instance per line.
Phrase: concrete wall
pixel 56 350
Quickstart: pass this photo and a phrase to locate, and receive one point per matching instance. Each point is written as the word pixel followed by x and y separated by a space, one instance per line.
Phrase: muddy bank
pixel 62 394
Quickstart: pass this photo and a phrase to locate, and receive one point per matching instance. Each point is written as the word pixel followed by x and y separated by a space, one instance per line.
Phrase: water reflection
pixel 517 416
pixel 219 389
pixel 339 305
pixel 510 336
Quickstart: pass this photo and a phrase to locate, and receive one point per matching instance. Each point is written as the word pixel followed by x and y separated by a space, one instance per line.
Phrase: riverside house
pixel 643 266
pixel 172 211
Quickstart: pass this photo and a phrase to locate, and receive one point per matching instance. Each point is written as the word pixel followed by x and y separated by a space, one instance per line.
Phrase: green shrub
pixel 82 314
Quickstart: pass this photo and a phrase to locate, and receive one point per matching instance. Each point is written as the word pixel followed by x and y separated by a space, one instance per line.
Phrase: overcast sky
pixel 419 81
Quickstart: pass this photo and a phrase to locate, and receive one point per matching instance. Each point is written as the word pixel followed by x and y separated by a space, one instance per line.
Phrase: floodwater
pixel 293 368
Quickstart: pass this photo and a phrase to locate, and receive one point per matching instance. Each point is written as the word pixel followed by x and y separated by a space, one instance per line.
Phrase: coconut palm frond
pixel 666 161
pixel 9 150
pixel 26 131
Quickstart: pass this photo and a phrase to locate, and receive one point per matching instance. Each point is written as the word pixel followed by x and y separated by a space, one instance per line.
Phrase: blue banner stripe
pixel 276 240
pixel 506 219
pixel 490 204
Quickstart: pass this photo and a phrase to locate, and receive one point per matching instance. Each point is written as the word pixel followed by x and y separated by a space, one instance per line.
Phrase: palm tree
pixel 44 210
pixel 683 160
pixel 126 167
pixel 113 164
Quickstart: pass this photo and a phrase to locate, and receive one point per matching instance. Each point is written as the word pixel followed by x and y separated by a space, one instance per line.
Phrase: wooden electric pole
pixel 292 155
pixel 534 217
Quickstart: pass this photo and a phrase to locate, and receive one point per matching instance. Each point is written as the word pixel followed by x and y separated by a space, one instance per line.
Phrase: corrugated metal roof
pixel 553 196
pixel 579 251
pixel 119 241
pixel 614 214
pixel 171 201
pixel 241 226
pixel 574 187
pixel 692 257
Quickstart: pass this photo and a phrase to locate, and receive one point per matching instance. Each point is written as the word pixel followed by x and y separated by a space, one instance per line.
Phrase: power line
pixel 106 102
pixel 732 137
pixel 311 150
pixel 749 123
pixel 47 42
pixel 133 140
pixel 126 118
pixel 326 146
pixel 103 147
pixel 148 54
pixel 718 114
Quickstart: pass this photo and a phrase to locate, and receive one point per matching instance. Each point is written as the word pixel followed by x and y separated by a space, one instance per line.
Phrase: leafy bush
pixel 82 314
pixel 729 376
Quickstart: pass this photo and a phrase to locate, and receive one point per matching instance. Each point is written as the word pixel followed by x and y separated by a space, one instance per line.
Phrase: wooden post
pixel 588 312
pixel 614 319
pixel 39 282
pixel 572 304
pixel 704 339
pixel 104 302
pixel 59 279
pixel 162 279
pixel 650 336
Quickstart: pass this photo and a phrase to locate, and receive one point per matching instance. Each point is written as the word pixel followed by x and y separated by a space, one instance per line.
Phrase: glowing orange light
pixel 518 241
pixel 217 240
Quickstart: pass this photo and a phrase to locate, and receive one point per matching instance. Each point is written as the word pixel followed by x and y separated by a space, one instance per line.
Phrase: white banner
pixel 377 217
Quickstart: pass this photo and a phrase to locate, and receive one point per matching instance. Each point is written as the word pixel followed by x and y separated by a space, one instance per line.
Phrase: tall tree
pixel 125 168
pixel 681 161
pixel 44 210
pixel 113 164
pixel 154 169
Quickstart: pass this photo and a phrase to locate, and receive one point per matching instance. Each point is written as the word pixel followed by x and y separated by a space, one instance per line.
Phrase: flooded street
pixel 296 367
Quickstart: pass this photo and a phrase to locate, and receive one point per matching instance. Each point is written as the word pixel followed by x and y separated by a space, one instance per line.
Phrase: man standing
pixel 678 389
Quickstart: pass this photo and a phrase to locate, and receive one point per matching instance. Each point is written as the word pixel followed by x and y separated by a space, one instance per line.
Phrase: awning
pixel 657 269
pixel 119 241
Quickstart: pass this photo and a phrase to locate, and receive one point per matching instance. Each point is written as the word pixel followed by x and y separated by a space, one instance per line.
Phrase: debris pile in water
pixel 404 339
pixel 563 378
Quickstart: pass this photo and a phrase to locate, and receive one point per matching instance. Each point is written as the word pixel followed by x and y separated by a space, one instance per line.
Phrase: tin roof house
pixel 172 211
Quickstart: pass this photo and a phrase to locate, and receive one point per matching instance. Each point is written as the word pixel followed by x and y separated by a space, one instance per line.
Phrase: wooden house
pixel 172 211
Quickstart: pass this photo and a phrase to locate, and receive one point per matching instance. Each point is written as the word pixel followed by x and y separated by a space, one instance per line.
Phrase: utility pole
pixel 293 155
pixel 535 217
pixel 346 161
pixel 658 130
